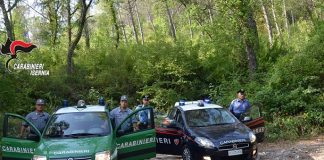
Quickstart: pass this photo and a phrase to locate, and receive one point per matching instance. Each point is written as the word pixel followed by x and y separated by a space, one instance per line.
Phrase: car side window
pixel 179 118
pixel 13 128
pixel 172 114
pixel 140 121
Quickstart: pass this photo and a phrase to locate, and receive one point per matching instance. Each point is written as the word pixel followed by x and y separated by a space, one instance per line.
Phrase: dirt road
pixel 312 149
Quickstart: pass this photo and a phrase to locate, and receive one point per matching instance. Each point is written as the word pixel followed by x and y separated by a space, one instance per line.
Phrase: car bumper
pixel 249 153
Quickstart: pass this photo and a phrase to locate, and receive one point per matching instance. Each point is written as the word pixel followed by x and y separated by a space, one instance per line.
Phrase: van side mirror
pixel 33 137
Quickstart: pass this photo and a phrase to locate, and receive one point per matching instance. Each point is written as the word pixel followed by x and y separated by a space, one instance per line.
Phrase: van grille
pixel 233 146
pixel 72 158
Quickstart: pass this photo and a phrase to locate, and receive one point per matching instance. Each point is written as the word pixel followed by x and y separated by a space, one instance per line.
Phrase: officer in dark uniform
pixel 240 105
pixel 38 118
pixel 143 116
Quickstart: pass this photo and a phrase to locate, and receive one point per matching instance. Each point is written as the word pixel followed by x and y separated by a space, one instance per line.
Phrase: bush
pixel 292 128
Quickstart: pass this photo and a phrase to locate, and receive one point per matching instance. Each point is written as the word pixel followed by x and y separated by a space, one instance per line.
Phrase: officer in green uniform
pixel 39 118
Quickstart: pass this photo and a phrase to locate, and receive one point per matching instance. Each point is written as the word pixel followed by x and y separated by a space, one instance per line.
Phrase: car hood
pixel 56 148
pixel 223 134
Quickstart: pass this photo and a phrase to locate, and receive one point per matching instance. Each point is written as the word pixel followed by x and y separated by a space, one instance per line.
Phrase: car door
pixel 14 145
pixel 169 137
pixel 134 143
pixel 257 123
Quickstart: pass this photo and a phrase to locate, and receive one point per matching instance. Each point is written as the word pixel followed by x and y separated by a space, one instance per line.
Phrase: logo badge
pixel 176 141
pixel 11 48
pixel 235 146
pixel 70 159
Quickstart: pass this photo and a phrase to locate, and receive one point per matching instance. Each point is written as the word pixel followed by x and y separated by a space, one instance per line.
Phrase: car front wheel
pixel 187 154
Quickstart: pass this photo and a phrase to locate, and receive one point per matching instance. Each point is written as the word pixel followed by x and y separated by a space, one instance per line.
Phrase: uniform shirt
pixel 119 115
pixel 38 119
pixel 143 115
pixel 239 106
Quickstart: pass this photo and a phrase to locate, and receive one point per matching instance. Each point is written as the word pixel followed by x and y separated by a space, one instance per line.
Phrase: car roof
pixel 75 109
pixel 193 105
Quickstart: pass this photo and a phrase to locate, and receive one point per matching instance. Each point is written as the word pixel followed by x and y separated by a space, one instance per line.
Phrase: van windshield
pixel 208 117
pixel 78 125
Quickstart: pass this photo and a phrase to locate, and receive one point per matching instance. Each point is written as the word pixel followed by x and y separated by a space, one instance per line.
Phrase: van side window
pixel 13 128
pixel 143 120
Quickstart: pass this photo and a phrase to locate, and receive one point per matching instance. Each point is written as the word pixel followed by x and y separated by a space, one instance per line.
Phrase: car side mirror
pixel 120 133
pixel 247 119
pixel 173 124
pixel 33 137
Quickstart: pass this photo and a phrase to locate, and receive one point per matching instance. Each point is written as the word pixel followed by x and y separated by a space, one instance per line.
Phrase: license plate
pixel 235 152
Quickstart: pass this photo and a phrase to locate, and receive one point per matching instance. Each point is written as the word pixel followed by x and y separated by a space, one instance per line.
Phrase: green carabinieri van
pixel 78 133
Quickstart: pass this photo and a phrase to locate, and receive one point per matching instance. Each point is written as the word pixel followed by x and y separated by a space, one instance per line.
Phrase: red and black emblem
pixel 11 48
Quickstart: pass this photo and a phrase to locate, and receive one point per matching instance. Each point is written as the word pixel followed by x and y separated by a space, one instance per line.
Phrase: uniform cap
pixel 240 91
pixel 123 98
pixel 146 97
pixel 40 101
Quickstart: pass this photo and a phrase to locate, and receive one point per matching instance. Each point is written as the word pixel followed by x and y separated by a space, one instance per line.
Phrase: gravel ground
pixel 312 149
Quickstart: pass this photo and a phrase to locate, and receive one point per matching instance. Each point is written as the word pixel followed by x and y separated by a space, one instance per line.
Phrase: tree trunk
pixel 7 22
pixel 115 22
pixel 81 20
pixel 130 10
pixel 210 15
pixel 139 23
pixel 87 34
pixel 122 26
pixel 171 24
pixel 69 25
pixel 285 16
pixel 52 14
pixel 149 13
pixel 292 18
pixel 10 16
pixel 267 21
pixel 190 27
pixel 250 38
pixel 275 17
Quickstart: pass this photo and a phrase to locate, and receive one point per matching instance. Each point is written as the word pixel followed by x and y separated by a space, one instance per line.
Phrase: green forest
pixel 171 50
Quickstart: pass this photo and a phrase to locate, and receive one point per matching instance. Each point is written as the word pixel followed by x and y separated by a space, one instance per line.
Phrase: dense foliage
pixel 206 57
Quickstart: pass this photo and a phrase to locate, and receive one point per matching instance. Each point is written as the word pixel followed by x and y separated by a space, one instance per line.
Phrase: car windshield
pixel 208 117
pixel 77 125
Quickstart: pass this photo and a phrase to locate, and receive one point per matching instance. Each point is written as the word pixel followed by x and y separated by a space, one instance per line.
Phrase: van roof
pixel 88 108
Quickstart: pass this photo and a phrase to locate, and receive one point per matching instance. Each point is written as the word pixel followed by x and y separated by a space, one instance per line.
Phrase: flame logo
pixel 11 48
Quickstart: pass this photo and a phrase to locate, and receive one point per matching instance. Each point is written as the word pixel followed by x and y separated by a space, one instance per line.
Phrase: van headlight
pixel 37 157
pixel 103 155
pixel 252 137
pixel 204 142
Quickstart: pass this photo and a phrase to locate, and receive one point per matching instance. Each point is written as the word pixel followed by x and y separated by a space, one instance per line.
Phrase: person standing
pixel 38 118
pixel 118 114
pixel 143 116
pixel 240 105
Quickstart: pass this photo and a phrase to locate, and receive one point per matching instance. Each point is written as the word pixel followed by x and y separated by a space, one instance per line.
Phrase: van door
pixel 136 136
pixel 14 144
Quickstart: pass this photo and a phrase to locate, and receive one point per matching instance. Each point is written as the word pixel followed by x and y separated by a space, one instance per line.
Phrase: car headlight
pixel 103 155
pixel 204 142
pixel 252 137
pixel 37 157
